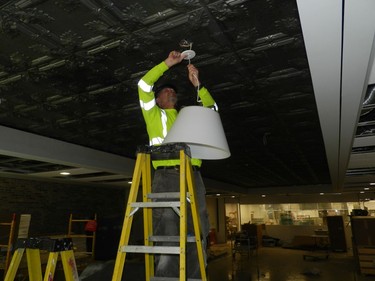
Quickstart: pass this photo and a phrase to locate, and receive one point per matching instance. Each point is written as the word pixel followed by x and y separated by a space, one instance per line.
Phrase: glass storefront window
pixel 290 214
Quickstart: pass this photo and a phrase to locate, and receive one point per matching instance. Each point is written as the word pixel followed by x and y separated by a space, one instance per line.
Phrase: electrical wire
pixel 195 76
pixel 198 98
pixel 187 44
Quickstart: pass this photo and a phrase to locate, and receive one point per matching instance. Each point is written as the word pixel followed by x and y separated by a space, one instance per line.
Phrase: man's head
pixel 166 96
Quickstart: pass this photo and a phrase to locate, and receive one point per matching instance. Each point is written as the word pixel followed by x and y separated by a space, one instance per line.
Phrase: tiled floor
pixel 279 264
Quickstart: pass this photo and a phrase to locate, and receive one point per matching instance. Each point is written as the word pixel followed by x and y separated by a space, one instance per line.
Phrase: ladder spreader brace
pixel 186 195
pixel 54 247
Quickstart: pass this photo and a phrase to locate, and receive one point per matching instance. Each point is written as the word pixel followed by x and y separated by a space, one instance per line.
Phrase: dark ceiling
pixel 69 71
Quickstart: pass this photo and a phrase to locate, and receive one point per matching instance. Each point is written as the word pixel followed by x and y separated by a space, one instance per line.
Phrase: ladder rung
pixel 156 238
pixel 171 279
pixel 151 249
pixel 80 236
pixel 164 195
pixel 155 204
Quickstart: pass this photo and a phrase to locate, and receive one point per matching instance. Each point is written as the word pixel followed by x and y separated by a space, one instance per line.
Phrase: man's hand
pixel 193 75
pixel 173 58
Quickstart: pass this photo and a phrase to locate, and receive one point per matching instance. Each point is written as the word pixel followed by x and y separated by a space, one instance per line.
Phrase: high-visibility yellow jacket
pixel 159 121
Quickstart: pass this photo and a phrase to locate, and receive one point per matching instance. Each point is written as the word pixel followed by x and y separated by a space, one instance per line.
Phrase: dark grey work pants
pixel 166 222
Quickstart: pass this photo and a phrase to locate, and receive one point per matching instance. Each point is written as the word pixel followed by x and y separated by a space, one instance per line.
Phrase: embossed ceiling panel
pixel 69 70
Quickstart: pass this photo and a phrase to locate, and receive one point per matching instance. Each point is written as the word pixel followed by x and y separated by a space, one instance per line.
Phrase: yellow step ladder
pixel 186 195
pixel 32 246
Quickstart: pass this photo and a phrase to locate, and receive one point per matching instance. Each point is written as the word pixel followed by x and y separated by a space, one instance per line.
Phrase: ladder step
pixel 80 236
pixel 155 204
pixel 151 249
pixel 156 238
pixel 171 279
pixel 164 195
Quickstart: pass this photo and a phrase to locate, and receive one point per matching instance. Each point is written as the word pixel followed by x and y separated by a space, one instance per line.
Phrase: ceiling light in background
pixel 64 173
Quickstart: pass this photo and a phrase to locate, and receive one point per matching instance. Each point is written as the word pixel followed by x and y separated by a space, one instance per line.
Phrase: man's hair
pixel 163 86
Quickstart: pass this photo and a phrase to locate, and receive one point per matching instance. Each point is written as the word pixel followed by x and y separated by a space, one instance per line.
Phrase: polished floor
pixel 280 264
pixel 267 264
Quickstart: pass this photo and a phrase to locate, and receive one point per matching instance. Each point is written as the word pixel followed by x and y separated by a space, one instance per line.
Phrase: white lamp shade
pixel 201 129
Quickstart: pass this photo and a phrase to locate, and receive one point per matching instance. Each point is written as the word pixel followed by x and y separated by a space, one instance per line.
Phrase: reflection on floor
pixel 280 264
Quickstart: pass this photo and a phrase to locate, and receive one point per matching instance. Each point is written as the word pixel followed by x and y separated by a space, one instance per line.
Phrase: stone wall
pixel 50 204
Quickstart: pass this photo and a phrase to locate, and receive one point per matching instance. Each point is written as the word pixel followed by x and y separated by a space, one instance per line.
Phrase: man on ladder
pixel 159 111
